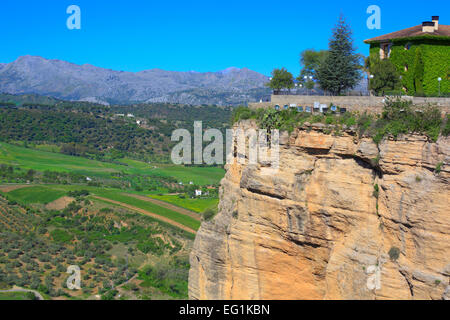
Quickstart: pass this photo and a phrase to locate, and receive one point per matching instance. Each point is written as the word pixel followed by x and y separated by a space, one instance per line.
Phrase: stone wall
pixel 352 103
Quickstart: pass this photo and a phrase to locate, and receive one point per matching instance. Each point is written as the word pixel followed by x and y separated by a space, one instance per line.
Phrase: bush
pixel 208 214
pixel 110 295
pixel 394 253
pixel 78 193
pixel 31 296
pixel 386 77
pixel 399 118
pixel 169 277
pixel 242 113
pixel 446 130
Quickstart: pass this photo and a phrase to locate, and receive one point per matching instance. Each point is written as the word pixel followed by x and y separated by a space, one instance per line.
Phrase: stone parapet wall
pixel 352 103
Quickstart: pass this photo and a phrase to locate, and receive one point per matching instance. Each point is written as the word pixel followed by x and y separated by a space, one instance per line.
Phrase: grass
pixel 148 206
pixel 41 160
pixel 15 296
pixel 196 205
pixel 38 194
pixel 439 167
pixel 49 193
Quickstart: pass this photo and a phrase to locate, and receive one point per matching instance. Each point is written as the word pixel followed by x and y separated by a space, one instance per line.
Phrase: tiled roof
pixel 412 32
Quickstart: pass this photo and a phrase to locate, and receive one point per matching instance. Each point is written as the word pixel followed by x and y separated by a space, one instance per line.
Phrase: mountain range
pixel 68 81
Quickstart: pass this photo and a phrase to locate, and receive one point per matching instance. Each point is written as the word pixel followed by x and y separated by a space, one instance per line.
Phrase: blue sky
pixel 212 35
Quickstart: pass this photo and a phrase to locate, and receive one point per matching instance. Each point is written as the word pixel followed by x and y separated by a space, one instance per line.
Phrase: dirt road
pixel 167 205
pixel 148 213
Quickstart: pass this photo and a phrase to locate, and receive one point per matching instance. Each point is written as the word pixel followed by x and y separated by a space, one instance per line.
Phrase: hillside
pixel 64 80
pixel 119 253
pixel 58 210
pixel 102 132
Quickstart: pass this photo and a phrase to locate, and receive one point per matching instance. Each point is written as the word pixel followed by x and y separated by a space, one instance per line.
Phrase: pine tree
pixel 340 70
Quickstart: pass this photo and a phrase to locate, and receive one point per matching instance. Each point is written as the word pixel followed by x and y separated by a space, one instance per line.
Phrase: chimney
pixel 428 26
pixel 436 22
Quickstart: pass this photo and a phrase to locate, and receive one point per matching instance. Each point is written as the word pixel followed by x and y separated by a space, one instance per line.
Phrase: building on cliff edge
pixel 421 55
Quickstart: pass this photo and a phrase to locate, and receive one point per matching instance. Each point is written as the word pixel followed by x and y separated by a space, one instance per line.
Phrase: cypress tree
pixel 340 70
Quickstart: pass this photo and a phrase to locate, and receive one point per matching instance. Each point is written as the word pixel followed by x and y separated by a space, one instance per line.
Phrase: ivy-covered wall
pixel 436 59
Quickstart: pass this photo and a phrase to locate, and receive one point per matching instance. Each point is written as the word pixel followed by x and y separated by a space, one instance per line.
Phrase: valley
pixel 127 220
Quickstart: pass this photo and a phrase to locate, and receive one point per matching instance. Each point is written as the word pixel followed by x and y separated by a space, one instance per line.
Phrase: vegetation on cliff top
pixel 398 117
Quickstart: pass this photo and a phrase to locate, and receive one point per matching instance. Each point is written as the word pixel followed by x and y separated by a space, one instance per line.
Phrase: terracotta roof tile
pixel 412 32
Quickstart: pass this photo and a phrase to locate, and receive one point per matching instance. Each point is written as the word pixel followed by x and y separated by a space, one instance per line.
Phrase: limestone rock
pixel 318 229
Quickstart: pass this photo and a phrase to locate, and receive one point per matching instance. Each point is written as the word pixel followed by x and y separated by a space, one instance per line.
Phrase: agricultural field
pixel 44 194
pixel 16 296
pixel 82 187
pixel 197 205
pixel 36 194
pixel 120 253
pixel 128 245
pixel 39 160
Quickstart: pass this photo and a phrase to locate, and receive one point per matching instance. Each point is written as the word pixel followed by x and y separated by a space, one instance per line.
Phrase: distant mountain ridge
pixel 69 81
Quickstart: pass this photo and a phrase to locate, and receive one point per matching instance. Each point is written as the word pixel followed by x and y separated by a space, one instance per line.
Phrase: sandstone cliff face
pixel 317 229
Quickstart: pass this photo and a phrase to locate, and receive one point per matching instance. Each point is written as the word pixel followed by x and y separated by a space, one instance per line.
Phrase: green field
pixel 47 193
pixel 175 216
pixel 198 175
pixel 40 160
pixel 38 194
pixel 196 205
pixel 14 296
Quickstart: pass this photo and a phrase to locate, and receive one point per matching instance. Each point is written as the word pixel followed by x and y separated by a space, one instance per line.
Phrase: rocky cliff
pixel 342 219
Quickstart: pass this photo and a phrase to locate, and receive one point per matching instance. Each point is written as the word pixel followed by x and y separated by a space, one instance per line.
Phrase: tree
pixel 385 75
pixel 281 79
pixel 418 73
pixel 340 69
pixel 311 60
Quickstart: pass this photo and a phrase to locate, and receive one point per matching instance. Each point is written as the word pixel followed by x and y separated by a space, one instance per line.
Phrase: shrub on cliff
pixel 208 214
pixel 394 253
pixel 446 130
pixel 244 113
pixel 399 117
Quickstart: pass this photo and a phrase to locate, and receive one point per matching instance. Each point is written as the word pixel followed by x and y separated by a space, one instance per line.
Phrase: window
pixel 389 47
pixel 385 51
